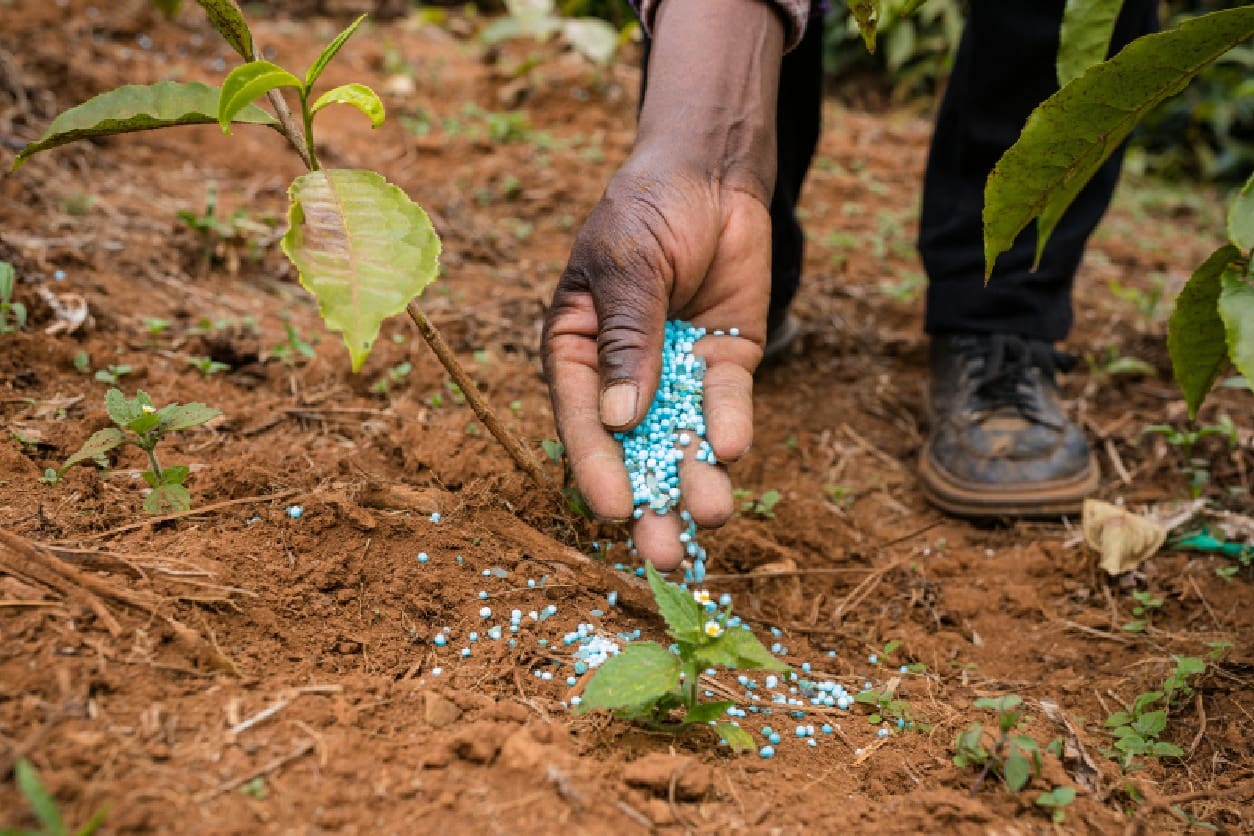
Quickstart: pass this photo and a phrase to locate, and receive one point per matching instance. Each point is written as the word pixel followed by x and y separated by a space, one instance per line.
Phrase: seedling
pixel 113 374
pixel 12 314
pixel 44 807
pixel 1137 728
pixel 82 362
pixel 839 495
pixel 142 425
pixel 1013 757
pixel 1146 605
pixel 1197 469
pixel 886 706
pixel 1056 800
pixel 214 231
pixel 763 506
pixel 649 683
pixel 292 347
pixel 207 366
pixel 155 326
pixel 394 376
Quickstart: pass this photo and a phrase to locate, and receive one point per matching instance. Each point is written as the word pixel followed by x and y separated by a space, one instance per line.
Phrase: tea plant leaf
pixel 246 84
pixel 101 442
pixel 1074 131
pixel 866 13
pixel 331 50
pixel 1085 38
pixel 704 712
pixel 642 673
pixel 182 416
pixel 1195 333
pixel 1241 217
pixel 738 648
pixel 139 107
pixel 734 736
pixel 363 249
pixel 1236 308
pixel 683 614
pixel 227 18
pixel 359 96
pixel 42 804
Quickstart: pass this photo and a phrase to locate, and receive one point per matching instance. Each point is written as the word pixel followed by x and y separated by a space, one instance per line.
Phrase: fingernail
pixel 618 403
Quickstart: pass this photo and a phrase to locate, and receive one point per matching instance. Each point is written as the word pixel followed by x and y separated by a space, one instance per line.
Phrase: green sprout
pixel 1147 604
pixel 649 683
pixel 113 374
pixel 207 366
pixel 12 314
pixel 394 376
pixel 141 424
pixel 1012 757
pixel 44 807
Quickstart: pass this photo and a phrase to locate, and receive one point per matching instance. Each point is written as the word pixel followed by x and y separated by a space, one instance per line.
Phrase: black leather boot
pixel 1001 445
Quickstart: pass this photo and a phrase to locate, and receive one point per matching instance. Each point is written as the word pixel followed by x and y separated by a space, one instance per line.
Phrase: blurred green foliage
pixel 914 54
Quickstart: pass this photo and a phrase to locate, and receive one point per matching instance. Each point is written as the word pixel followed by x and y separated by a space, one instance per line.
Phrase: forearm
pixel 713 83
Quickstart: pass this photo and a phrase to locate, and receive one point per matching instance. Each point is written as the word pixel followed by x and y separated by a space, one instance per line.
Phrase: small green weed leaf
pixel 1236 309
pixel 226 17
pixel 359 96
pixel 175 474
pixel 363 249
pixel 1151 723
pixel 43 805
pixel 1165 750
pixel 101 442
pixel 121 411
pixel 866 13
pixel 640 675
pixel 553 449
pixel 1026 743
pixel 1132 743
pixel 1119 718
pixel 1189 666
pixel 151 478
pixel 1085 39
pixel 683 614
pixel 1074 131
pixel 329 53
pixel 177 417
pixel 1018 771
pixel 139 107
pixel 1241 217
pixel 168 499
pixel 247 83
pixel 738 648
pixel 1195 333
pixel 1144 701
pixel 94 823
pixel 734 736
pixel 704 712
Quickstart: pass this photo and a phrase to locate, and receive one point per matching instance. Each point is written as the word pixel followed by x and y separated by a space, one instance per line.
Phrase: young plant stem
pixel 290 129
pixel 309 137
pixel 480 406
pixel 152 460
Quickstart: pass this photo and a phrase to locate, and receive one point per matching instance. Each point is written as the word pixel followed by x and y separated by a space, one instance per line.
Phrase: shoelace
pixel 1003 378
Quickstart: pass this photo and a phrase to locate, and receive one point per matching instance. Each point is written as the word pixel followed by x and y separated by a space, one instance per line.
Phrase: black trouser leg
pixel 798 119
pixel 1005 67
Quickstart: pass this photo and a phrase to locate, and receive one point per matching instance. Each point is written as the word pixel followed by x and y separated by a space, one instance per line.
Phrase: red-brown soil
pixel 239 607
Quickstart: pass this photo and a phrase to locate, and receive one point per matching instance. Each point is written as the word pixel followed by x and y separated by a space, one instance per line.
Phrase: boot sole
pixel 1034 501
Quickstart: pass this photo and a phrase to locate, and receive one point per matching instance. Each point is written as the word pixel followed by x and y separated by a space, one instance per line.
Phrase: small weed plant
pixel 1013 757
pixel 762 506
pixel 113 374
pixel 1147 603
pixel 45 809
pixel 659 686
pixel 141 424
pixel 207 366
pixel 1136 729
pixel 12 314
pixel 1197 469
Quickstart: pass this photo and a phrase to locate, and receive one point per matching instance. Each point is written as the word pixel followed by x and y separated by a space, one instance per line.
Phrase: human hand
pixel 681 232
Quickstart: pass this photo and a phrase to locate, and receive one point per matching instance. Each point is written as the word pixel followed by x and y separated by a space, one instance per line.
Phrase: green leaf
pixel 704 712
pixel 1189 666
pixel 363 249
pixel 640 675
pixel 246 84
pixel 553 449
pixel 1195 333
pixel 101 442
pixel 43 805
pixel 359 96
pixel 592 38
pixel 1241 217
pixel 1236 309
pixel 738 648
pixel 1018 771
pixel 1074 131
pixel 1057 797
pixel 315 69
pixel 227 18
pixel 1119 718
pixel 1151 723
pixel 1085 38
pixel 139 107
pixel 1133 744
pixel 175 474
pixel 168 499
pixel 684 616
pixel 866 13
pixel 734 736
pixel 120 410
pixel 94 823
pixel 177 417
pixel 1165 750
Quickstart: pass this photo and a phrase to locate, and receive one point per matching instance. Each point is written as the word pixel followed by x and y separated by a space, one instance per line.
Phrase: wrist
pixel 713 83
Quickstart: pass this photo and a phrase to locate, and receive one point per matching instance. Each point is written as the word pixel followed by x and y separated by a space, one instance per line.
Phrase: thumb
pixel 629 279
